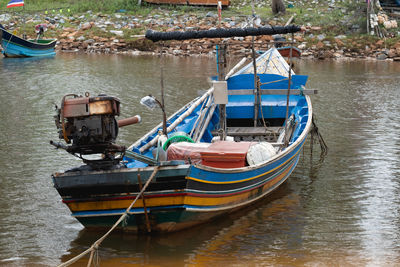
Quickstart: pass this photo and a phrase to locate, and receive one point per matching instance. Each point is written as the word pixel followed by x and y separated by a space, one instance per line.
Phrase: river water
pixel 344 211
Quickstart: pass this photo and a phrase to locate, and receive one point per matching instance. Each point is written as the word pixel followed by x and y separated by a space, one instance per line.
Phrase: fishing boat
pixel 221 152
pixel 389 3
pixel 286 50
pixel 14 46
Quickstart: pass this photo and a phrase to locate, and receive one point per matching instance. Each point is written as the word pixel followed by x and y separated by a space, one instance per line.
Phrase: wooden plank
pixel 273 92
pixel 250 131
pixel 173 2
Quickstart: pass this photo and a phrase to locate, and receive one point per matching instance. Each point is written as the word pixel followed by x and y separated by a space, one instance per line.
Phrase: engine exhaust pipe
pixel 129 121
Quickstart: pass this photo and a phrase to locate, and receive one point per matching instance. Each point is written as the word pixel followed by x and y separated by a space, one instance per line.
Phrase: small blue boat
pixel 14 46
pixel 219 153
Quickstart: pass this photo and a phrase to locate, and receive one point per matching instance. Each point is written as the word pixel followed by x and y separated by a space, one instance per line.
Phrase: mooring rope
pixel 93 248
pixel 315 132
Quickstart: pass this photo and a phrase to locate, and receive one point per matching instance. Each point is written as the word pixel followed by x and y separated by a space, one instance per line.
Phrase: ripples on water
pixel 343 212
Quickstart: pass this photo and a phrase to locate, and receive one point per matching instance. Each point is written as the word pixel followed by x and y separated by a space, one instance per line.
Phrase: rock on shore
pixel 116 33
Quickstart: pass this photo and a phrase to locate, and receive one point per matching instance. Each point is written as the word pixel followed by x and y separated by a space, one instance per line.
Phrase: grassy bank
pixel 103 6
pixel 328 22
pixel 73 6
pixel 333 20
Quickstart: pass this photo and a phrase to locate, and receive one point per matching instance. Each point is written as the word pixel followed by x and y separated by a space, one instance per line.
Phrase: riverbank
pixel 334 29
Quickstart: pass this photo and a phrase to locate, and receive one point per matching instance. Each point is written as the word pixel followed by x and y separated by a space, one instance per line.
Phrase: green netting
pixel 177 137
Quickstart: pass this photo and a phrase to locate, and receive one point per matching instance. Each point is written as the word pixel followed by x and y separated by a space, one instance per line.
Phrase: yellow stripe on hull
pixel 124 203
pixel 176 200
pixel 234 199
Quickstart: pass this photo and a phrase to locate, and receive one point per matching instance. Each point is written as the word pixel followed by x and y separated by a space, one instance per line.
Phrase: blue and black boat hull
pixel 14 46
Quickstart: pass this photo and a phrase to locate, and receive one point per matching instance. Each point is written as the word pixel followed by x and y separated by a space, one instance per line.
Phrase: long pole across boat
pixel 220 33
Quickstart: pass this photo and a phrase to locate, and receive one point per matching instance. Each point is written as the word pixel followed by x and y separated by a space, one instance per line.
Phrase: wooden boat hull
pixel 171 220
pixel 14 46
pixel 180 196
pixel 285 51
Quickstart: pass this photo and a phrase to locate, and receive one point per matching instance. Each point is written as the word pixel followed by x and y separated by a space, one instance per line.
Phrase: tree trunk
pixel 278 6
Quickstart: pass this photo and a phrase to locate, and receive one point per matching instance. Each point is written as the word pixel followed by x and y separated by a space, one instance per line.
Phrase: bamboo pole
pixel 178 120
pixel 211 112
pixel 234 69
pixel 288 91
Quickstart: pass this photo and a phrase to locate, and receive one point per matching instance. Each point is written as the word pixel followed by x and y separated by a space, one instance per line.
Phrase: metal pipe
pixel 129 121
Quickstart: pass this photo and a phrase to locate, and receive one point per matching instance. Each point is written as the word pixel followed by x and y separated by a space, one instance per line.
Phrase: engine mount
pixel 89 125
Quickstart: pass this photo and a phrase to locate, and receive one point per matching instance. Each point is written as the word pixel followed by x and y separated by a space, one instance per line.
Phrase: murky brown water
pixel 343 212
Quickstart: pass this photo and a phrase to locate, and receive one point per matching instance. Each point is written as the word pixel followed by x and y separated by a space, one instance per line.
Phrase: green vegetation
pixel 103 6
pixel 346 18
pixel 74 6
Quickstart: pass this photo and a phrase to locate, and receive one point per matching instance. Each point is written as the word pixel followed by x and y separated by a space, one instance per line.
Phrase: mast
pixel 256 85
pixel 221 64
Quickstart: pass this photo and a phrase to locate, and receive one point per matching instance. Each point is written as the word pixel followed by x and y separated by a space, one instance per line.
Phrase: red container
pixel 189 152
pixel 226 154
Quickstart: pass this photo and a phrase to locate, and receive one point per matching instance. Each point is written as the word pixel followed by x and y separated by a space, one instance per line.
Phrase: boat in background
pixel 221 152
pixel 389 3
pixel 285 51
pixel 14 46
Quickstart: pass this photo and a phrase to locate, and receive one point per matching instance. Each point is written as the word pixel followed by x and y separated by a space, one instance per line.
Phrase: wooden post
pixel 256 83
pixel 221 57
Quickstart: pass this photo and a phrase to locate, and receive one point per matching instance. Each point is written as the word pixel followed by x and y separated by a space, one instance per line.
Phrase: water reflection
pixel 200 245
pixel 363 155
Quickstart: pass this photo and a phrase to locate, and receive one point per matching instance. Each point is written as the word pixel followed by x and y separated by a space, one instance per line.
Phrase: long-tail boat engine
pixel 88 125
